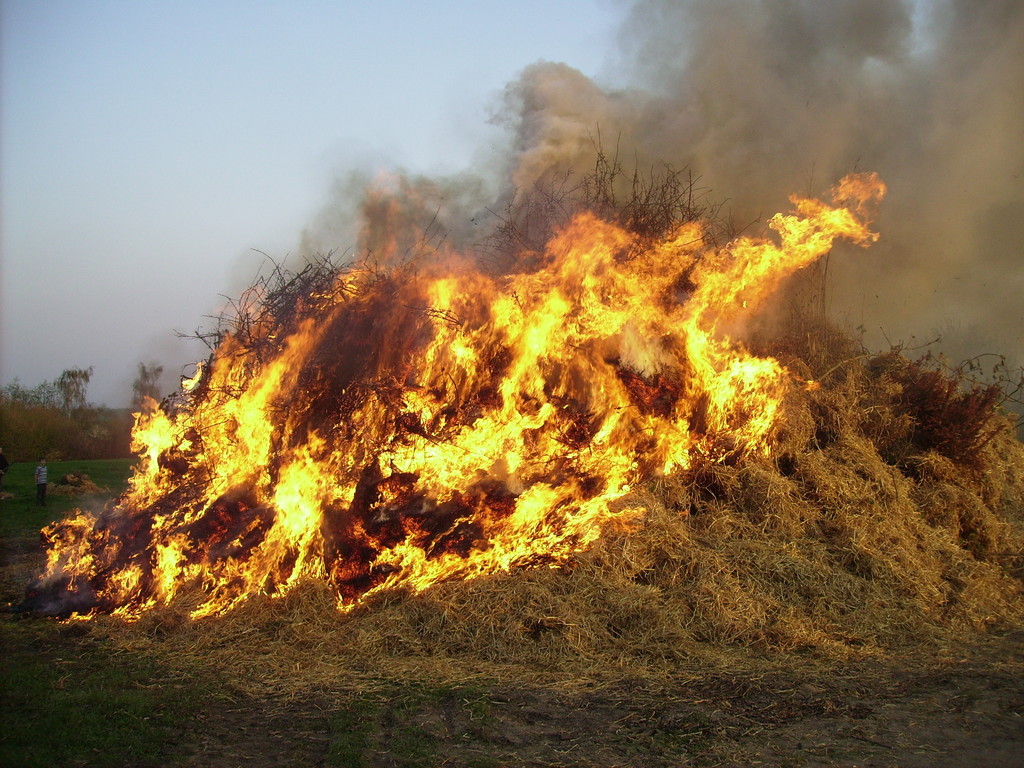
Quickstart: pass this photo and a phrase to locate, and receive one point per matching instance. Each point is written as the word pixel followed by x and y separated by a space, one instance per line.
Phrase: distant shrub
pixel 33 424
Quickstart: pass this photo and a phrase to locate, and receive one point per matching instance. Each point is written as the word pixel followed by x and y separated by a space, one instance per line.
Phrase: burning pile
pixel 403 427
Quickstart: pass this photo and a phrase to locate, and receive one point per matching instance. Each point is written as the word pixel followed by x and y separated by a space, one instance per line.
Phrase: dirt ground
pixel 956 707
pixel 963 710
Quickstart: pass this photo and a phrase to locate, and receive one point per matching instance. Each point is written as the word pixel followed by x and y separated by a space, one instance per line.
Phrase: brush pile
pixel 861 535
pixel 885 510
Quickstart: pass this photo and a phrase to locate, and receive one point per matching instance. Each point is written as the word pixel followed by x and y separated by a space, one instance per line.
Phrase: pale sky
pixel 152 152
pixel 149 149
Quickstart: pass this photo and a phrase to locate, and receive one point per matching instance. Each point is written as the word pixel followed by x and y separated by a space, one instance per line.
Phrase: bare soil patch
pixel 962 707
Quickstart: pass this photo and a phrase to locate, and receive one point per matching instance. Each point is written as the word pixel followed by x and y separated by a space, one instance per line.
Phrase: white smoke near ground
pixel 761 99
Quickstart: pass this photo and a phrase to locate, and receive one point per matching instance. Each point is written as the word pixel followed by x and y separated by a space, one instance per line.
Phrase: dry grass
pixel 834 547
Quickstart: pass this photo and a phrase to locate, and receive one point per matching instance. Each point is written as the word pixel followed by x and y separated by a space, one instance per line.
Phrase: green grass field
pixel 65 699
pixel 22 517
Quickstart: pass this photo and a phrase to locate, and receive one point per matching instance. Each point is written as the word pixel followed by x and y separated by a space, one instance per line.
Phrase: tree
pixel 53 420
pixel 43 395
pixel 71 386
pixel 146 384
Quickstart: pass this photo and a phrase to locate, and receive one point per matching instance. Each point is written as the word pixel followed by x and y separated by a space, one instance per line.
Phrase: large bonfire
pixel 379 429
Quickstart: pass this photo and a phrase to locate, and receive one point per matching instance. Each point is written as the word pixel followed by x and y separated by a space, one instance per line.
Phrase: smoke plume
pixel 766 97
pixel 761 99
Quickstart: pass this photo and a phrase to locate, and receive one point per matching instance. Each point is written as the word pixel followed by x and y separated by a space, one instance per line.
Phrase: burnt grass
pixel 70 698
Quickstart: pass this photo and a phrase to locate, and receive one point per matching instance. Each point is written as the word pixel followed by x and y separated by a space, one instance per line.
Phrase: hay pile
pixel 858 536
pixel 76 484
pixel 889 513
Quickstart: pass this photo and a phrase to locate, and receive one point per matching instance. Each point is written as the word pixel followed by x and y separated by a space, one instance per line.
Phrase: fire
pixel 396 429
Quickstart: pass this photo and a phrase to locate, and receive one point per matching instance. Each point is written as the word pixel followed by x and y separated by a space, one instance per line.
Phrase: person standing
pixel 41 483
pixel 4 464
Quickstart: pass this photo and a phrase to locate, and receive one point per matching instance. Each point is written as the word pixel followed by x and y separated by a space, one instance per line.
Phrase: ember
pixel 402 427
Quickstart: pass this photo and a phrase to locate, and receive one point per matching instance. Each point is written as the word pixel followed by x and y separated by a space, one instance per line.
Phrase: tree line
pixel 55 420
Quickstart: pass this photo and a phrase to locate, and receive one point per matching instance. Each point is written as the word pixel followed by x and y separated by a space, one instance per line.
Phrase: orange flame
pixel 402 429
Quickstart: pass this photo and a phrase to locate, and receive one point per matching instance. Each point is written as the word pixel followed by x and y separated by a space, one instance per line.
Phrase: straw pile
pixel 889 514
pixel 76 484
pixel 863 533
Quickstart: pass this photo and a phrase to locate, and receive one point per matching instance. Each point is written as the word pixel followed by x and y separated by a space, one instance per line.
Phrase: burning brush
pixel 378 429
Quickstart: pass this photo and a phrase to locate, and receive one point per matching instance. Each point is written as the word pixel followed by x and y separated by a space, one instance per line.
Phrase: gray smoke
pixel 762 99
